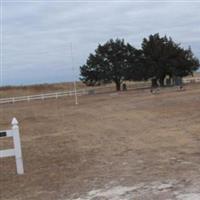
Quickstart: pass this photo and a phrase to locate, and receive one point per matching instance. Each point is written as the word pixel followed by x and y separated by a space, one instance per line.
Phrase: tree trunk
pixel 161 81
pixel 118 85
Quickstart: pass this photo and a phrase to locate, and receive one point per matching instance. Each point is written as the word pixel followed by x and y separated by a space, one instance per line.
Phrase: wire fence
pixel 85 91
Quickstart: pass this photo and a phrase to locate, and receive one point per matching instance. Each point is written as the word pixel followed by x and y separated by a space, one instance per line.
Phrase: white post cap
pixel 14 123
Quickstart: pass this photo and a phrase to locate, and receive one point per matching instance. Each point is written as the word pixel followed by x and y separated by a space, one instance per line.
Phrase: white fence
pixel 86 91
pixel 16 151
pixel 191 80
pixel 39 96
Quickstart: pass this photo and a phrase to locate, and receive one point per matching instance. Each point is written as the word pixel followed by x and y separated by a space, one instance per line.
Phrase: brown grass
pixel 130 138
pixel 12 91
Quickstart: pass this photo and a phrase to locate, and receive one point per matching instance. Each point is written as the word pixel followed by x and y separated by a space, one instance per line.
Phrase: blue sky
pixel 37 34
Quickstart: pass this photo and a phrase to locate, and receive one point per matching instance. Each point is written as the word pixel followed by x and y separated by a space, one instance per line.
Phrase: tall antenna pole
pixel 1 46
pixel 75 91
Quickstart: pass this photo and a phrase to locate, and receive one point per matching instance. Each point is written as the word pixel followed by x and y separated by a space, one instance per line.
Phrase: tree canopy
pixel 165 57
pixel 117 61
pixel 110 63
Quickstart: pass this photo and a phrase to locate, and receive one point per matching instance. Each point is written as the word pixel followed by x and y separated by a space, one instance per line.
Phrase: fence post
pixel 17 146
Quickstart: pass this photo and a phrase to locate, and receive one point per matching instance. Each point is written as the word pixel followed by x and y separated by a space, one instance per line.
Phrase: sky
pixel 47 41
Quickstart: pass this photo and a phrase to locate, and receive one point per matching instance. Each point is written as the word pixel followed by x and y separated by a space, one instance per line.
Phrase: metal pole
pixel 74 81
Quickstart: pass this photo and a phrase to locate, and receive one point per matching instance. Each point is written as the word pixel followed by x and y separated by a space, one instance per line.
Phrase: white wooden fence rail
pixel 85 91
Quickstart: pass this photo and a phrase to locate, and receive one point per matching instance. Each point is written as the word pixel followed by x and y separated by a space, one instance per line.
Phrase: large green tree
pixel 165 57
pixel 110 63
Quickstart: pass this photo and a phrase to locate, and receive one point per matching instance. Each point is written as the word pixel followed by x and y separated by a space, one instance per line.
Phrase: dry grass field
pixel 13 91
pixel 119 146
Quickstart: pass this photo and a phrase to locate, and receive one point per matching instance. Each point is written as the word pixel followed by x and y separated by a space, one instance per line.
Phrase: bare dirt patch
pixel 132 145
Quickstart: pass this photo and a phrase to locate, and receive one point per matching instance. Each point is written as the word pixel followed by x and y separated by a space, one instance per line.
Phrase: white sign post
pixel 16 151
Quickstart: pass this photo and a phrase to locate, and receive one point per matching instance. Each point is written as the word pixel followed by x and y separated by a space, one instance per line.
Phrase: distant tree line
pixel 117 61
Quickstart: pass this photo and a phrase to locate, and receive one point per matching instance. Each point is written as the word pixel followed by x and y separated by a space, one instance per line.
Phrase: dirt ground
pixel 119 146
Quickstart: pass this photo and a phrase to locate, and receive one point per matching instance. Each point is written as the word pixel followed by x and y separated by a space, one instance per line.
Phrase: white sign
pixel 16 151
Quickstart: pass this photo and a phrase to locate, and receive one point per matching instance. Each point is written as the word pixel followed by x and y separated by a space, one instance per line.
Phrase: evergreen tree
pixel 165 57
pixel 110 63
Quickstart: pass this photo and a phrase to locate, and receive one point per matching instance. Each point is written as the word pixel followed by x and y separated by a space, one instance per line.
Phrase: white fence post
pixel 17 146
pixel 16 151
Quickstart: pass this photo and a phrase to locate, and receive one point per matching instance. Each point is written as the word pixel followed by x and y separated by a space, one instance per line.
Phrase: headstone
pixel 168 82
pixel 124 87
pixel 91 91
